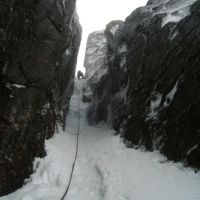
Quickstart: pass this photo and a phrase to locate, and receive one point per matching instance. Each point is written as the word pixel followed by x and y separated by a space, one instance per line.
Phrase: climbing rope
pixel 75 158
pixel 70 131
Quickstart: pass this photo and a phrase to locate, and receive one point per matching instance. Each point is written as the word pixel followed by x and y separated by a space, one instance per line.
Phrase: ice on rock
pixel 122 49
pixel 123 62
pixel 67 52
pixel 122 92
pixel 9 86
pixel 105 168
pixel 18 86
pixel 154 105
pixel 174 35
pixel 114 29
pixel 175 11
pixel 91 50
pixel 95 62
pixel 170 95
pixel 192 149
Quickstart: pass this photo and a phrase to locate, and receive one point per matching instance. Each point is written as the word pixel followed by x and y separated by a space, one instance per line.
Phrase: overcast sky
pixel 95 14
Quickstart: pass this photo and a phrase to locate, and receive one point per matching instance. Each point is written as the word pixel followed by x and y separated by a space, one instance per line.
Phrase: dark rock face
pixel 103 72
pixel 116 57
pixel 161 109
pixel 39 44
pixel 159 104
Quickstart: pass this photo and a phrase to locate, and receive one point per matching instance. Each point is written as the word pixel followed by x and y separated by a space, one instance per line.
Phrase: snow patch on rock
pixel 10 85
pixel 175 11
pixel 170 95
pixel 95 58
pixel 105 168
pixel 123 62
pixel 114 29
pixel 67 52
pixel 192 149
pixel 122 49
pixel 154 105
pixel 122 92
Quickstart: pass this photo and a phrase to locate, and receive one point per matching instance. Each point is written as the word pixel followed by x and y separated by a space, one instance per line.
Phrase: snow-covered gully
pixel 96 165
pixel 77 143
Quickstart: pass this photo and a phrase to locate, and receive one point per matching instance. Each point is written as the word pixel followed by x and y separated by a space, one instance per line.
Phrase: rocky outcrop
pixel 39 44
pixel 159 104
pixel 102 80
pixel 96 73
pixel 161 109
pixel 116 56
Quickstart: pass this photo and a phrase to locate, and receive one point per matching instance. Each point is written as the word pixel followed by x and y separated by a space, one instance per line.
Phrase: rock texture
pixel 96 71
pixel 103 78
pixel 39 43
pixel 158 104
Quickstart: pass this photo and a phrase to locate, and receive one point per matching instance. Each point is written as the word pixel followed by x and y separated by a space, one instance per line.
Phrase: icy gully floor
pixel 105 168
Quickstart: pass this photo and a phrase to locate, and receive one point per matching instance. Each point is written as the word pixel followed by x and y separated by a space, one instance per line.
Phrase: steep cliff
pixel 96 74
pixel 102 78
pixel 39 44
pixel 156 52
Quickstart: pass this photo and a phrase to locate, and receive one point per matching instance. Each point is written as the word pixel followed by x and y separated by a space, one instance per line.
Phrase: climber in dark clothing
pixel 80 75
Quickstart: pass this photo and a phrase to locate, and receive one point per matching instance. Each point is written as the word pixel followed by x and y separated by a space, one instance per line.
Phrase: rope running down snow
pixel 77 144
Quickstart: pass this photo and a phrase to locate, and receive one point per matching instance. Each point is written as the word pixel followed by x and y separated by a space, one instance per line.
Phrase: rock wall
pixel 96 74
pixel 39 45
pixel 103 78
pixel 157 104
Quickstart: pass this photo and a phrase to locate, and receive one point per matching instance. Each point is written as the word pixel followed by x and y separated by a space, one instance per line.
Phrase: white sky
pixel 95 14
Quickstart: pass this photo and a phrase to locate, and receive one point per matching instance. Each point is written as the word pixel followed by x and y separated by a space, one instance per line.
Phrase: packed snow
pixel 105 168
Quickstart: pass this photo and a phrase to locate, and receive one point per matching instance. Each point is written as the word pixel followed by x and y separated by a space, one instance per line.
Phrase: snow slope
pixel 105 168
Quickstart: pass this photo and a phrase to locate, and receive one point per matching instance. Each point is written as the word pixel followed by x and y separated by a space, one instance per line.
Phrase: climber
pixel 80 75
